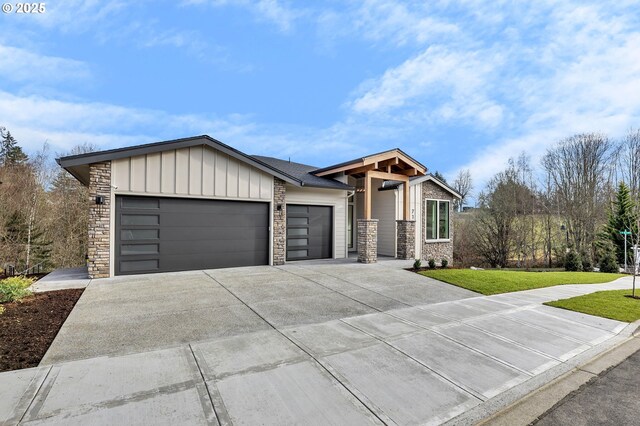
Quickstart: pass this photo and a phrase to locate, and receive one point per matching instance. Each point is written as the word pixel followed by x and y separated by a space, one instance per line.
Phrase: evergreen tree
pixel 622 217
pixel 439 176
pixel 10 152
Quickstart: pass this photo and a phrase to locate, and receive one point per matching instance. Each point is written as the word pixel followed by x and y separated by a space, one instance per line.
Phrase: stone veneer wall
pixel 406 245
pixel 98 247
pixel 436 250
pixel 367 240
pixel 279 222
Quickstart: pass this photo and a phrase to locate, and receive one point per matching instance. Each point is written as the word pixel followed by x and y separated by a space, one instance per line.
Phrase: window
pixel 436 220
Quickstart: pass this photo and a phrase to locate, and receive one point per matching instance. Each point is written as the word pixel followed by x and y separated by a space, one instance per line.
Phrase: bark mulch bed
pixel 28 327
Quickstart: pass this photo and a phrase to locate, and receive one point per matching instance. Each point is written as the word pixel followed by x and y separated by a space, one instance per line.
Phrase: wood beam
pixel 388 176
pixel 408 172
pixel 367 195
pixel 358 170
pixel 390 162
pixel 347 169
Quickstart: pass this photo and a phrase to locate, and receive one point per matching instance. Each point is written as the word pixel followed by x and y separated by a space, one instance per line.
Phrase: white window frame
pixel 424 220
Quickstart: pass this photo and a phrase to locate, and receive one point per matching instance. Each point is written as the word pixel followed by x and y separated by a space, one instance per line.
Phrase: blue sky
pixel 456 84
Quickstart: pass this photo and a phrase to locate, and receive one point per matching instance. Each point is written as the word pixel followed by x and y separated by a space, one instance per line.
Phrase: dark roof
pixel 360 159
pixel 393 184
pixel 78 165
pixel 302 173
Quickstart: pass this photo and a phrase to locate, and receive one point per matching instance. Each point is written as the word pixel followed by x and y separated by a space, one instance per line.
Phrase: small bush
pixel 572 261
pixel 608 261
pixel 432 264
pixel 609 264
pixel 14 288
pixel 444 263
pixel 417 264
pixel 1 309
pixel 587 266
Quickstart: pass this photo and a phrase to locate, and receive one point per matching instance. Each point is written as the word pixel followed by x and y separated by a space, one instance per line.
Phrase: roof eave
pixel 115 154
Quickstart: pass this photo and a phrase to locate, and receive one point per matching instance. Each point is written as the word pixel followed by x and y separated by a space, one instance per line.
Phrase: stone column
pixel 279 222
pixel 406 246
pixel 98 244
pixel 367 240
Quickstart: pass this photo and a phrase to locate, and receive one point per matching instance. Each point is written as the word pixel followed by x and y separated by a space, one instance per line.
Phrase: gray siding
pixel 197 171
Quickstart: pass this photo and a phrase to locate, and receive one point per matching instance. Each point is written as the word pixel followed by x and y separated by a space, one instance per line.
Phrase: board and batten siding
pixel 325 197
pixel 198 171
pixel 383 208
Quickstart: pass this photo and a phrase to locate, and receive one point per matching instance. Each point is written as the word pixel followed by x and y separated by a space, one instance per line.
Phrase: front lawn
pixel 611 304
pixel 500 281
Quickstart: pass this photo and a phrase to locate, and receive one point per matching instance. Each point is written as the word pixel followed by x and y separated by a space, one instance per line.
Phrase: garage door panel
pixel 211 248
pixel 203 261
pixel 235 233
pixel 309 232
pixel 190 219
pixel 157 234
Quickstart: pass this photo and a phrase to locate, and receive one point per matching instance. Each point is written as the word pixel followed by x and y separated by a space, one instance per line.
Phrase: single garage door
pixel 157 234
pixel 309 232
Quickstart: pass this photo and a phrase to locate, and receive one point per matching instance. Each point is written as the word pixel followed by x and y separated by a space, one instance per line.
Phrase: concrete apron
pixel 451 362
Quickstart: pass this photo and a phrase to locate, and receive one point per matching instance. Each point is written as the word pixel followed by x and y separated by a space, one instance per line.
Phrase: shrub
pixel 572 261
pixel 444 263
pixel 417 264
pixel 586 262
pixel 432 263
pixel 1 309
pixel 608 258
pixel 14 288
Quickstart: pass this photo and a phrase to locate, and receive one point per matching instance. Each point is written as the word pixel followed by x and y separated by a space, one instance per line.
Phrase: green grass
pixel 500 281
pixel 608 304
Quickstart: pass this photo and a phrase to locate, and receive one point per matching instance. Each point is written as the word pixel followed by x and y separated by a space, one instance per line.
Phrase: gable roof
pixel 419 179
pixel 383 156
pixel 293 173
pixel 78 165
pixel 303 173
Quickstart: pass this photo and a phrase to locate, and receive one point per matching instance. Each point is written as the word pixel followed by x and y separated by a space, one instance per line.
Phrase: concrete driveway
pixel 300 344
pixel 139 313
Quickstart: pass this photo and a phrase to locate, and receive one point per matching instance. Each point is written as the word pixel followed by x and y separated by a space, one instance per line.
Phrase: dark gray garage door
pixel 155 234
pixel 309 232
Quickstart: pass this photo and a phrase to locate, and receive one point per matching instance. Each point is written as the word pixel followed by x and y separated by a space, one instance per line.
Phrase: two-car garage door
pixel 158 234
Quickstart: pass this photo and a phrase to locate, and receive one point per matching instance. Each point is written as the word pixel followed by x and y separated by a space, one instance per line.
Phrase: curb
pixel 533 406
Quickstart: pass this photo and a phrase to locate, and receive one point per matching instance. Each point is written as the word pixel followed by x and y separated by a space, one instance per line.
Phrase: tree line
pixel 572 209
pixel 43 209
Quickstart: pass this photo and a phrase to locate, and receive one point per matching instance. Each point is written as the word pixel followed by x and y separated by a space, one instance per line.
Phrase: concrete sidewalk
pixel 62 279
pixel 580 396
pixel 456 361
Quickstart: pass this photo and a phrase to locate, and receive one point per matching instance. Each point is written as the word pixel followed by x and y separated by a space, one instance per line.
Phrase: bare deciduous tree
pixel 496 224
pixel 580 172
pixel 629 162
pixel 463 184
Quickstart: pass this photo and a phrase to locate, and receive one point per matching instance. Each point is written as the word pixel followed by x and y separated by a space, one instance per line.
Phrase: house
pixel 196 203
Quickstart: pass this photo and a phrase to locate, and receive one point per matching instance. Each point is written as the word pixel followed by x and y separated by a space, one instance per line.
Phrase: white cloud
pixel 452 84
pixel 386 22
pixel 525 75
pixel 79 16
pixel 273 11
pixel 65 124
pixel 20 65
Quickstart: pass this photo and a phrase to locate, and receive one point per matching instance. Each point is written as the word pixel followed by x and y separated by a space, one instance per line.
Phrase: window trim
pixel 424 220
